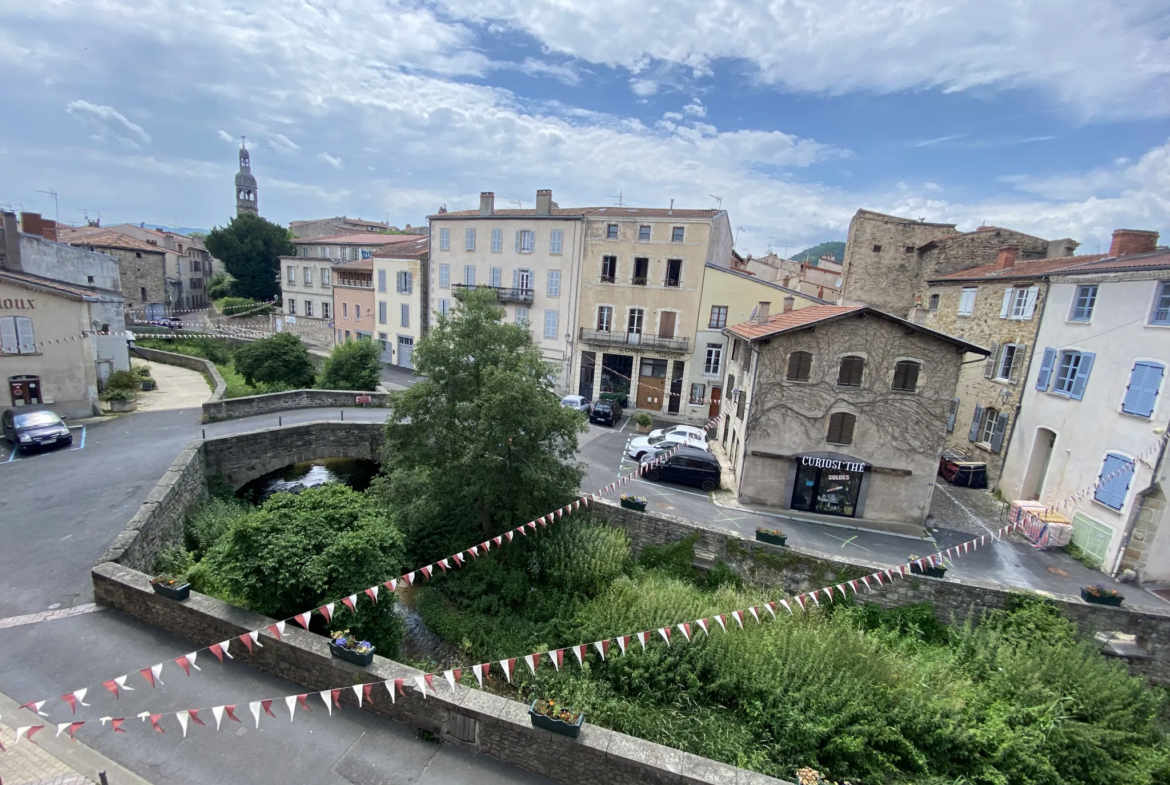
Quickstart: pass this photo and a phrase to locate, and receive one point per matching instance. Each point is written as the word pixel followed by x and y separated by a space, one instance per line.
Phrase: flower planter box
pixel 930 572
pixel 553 724
pixel 774 539
pixel 179 591
pixel 1112 601
pixel 147 385
pixel 122 407
pixel 632 505
pixel 342 653
pixel 643 428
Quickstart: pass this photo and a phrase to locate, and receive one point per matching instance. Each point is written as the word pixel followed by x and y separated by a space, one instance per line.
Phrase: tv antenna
pixel 56 209
pixel 85 212
pixel 620 200
pixel 738 229
pixel 718 199
pixel 519 204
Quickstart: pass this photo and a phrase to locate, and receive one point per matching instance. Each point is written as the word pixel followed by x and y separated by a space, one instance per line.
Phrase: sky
pixel 789 114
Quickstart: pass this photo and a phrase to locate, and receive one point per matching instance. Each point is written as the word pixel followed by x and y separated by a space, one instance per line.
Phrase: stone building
pixel 840 412
pixel 247 192
pixel 820 278
pixel 401 278
pixel 142 267
pixel 327 227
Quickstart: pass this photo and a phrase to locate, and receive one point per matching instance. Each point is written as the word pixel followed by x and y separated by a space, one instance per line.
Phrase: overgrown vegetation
pixel 242 306
pixel 353 365
pixel 278 360
pixel 224 357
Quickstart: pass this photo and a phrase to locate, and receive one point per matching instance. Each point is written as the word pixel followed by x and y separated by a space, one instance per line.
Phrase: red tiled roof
pixel 411 250
pixel 1033 268
pixel 362 238
pixel 589 212
pixel 1159 259
pixel 783 322
pixel 111 239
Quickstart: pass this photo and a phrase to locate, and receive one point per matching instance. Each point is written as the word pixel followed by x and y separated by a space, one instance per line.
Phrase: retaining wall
pixel 248 406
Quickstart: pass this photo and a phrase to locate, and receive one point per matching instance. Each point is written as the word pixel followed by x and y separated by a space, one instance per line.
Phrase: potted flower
pixel 120 399
pixel 631 502
pixel 1101 595
pixel 170 587
pixel 642 422
pixel 934 567
pixel 345 646
pixel 773 536
pixel 550 715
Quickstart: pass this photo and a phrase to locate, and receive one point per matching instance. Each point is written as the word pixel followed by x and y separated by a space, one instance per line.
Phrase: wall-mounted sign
pixel 830 463
pixel 17 304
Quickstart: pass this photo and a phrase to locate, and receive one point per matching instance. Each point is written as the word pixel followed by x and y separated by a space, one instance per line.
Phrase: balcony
pixel 505 294
pixel 635 341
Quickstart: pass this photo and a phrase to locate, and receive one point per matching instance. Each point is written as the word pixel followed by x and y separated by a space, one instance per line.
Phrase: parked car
pixel 700 433
pixel 576 402
pixel 645 444
pixel 32 428
pixel 171 322
pixel 689 465
pixel 608 412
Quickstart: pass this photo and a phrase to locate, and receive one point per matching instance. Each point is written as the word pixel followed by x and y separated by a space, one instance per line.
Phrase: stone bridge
pixel 244 457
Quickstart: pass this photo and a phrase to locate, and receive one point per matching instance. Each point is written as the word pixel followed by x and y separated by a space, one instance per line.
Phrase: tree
pixel 298 551
pixel 250 248
pixel 481 444
pixel 220 286
pixel 278 359
pixel 353 365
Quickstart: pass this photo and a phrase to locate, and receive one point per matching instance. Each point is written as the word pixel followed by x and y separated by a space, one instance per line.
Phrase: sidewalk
pixel 175 388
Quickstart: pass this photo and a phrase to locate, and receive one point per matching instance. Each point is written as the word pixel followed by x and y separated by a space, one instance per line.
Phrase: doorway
pixel 616 372
pixel 676 387
pixel 405 350
pixel 716 402
pixel 828 491
pixel 1037 470
pixel 588 368
pixel 651 384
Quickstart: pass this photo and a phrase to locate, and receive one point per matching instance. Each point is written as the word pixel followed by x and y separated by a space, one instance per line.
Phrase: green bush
pixel 278 359
pixel 579 558
pixel 142 371
pixel 208 524
pixel 119 394
pixel 124 380
pixel 642 420
pixel 242 306
pixel 219 287
pixel 214 349
pixel 353 365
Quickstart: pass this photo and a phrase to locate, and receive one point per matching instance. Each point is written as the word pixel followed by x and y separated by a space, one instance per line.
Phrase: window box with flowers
pixel 934 567
pixel 170 587
pixel 631 502
pixel 550 715
pixel 771 536
pixel 1101 595
pixel 345 646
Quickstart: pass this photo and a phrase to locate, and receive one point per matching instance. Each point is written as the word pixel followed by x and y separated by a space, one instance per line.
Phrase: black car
pixel 688 465
pixel 31 428
pixel 608 412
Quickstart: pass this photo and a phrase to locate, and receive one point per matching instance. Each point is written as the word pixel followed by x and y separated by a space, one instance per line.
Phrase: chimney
pixel 1133 241
pixel 30 223
pixel 762 311
pixel 1058 249
pixel 487 202
pixel 1007 257
pixel 789 303
pixel 49 229
pixel 544 202
pixel 10 242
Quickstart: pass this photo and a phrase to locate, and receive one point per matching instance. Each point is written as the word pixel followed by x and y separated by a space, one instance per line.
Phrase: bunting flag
pixel 755 613
pixel 685 629
pixel 74 698
pixel 27 731
pixel 508 534
pixel 426 571
pixel 277 629
pixel 217 712
pixel 642 639
pixel 558 658
pixel 738 616
pixel 409 578
pixel 231 712
pixel 181 716
pixel 787 607
pixel 533 661
pixel 665 633
pixel 362 692
pixel 623 641
pixel 303 619
pixel 220 649
pixel 291 702
pixel 72 726
pixel 812 595
pixel 480 671
pixel 186 661
pixel 828 590
pixel 771 606
pixel 497 541
pixel 722 623
pixel 853 585
pixel 350 602
pixel 116 723
pixel 579 650
pixel 195 717
pixel 800 601
pixel 841 590
pixel 703 626
pixel 391 584
pixel 154 718
pixel 452 676
pixel 602 647
pixel 152 674
pixel 112 686
pixel 507 665
pixel 250 638
pixel 458 557
pixel 303 700
pixel 267 706
pixel 865 580
pixel 372 593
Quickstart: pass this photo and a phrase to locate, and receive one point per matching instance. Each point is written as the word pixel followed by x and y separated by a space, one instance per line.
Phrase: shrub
pixel 214 349
pixel 242 306
pixel 123 380
pixel 220 287
pixel 207 524
pixel 278 359
pixel 119 394
pixel 642 420
pixel 141 371
pixel 579 558
pixel 353 365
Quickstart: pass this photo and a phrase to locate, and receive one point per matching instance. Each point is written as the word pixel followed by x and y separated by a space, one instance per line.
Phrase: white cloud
pixel 695 108
pixel 281 142
pixel 333 161
pixel 644 87
pixel 939 140
pixel 566 74
pixel 108 121
pixel 224 136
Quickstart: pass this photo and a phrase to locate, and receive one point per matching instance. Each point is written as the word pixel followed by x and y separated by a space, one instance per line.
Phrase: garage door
pixel 405 348
pixel 1090 536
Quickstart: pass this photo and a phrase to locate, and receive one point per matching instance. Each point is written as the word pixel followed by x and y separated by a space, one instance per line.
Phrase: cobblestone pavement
pixel 28 764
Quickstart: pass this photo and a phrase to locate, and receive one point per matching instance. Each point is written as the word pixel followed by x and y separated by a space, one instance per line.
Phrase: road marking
pixel 676 490
pixel 36 618
pixel 82 447
pixel 11 455
pixel 627 422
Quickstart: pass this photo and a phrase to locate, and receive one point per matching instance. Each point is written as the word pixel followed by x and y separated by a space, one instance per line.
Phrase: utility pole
pixel 56 209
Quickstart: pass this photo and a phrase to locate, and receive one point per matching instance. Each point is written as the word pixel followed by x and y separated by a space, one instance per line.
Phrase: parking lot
pixel 15 455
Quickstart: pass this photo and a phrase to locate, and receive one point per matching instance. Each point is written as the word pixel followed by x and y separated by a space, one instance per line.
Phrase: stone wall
pixel 191 363
pixel 471 718
pixel 881 261
pixel 973 249
pixel 244 457
pixel 795 571
pixel 251 405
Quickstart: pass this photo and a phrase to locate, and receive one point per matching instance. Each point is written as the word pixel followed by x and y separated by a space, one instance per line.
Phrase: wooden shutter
pixel 1113 483
pixel 799 366
pixel 847 423
pixel 1045 376
pixel 1030 301
pixel 666 324
pixel 834 435
pixel 992 359
pixel 952 415
pixel 841 428
pixel 1005 310
pixel 1018 362
pixel 740 404
pixel 1082 377
pixel 905 376
pixel 998 433
pixel 1142 393
pixel 851 371
pixel 976 421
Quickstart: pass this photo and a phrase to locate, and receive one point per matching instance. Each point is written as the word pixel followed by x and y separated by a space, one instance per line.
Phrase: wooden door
pixel 716 402
pixel 666 324
pixel 650 392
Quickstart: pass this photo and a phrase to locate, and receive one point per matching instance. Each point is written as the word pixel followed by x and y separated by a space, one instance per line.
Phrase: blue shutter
pixel 1113 484
pixel 1144 381
pixel 1082 377
pixel 1045 375
pixel 976 421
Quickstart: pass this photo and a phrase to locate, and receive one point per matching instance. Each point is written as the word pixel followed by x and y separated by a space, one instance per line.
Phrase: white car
pixel 646 444
pixel 698 433
pixel 578 402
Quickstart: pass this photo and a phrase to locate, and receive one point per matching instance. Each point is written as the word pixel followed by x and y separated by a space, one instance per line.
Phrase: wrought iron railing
pixel 634 340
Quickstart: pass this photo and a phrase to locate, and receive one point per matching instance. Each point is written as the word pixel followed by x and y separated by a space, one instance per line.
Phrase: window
pixel 799 366
pixel 967 302
pixel 551 322
pixel 521 314
pixel 381 312
pixel 698 391
pixel 841 428
pixel 608 269
pixel 673 272
pixel 851 371
pixel 604 318
pixel 718 317
pixel 292 307
pixel 404 282
pixel 611 231
pixel 469 239
pixel 444 239
pixel 304 251
pixel 554 283
pixel 1071 373
pixel 1019 304
pixel 382 281
pixel 444 307
pixel 734 348
pixel 1162 305
pixel 644 237
pixel 641 271
pixel 1083 302
pixel 469 275
pixel 1144 381
pixel 405 315
pixel 987 428
pixel 357 312
pixel 877 248
pixel 308 307
pixel 1006 361
pixel 634 321
pixel 747 358
pixel 495 277
pixel 325 310
pixel 525 241
pixel 325 279
pixel 497 240
pixel 952 415
pixel 556 241
pixel 739 405
pixel 677 234
pixel 711 366
pixel 444 276
pixel 322 252
pixel 292 275
pixel 933 302
pixel 905 376
pixel 307 275
pixel 1113 483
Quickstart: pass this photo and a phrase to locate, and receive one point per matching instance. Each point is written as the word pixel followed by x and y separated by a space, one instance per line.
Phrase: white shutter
pixel 517 241
pixel 8 335
pixel 1005 309
pixel 1030 303
pixel 24 335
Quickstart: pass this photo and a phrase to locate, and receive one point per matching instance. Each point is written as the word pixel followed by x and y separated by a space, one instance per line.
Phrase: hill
pixel 817 251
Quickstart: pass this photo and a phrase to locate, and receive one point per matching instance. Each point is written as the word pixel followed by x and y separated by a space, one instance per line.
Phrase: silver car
pixel 577 402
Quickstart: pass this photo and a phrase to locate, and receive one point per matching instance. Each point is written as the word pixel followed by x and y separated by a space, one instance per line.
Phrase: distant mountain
pixel 187 230
pixel 817 251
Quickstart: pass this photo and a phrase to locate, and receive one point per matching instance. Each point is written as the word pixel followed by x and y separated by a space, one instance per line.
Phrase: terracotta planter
pixel 774 539
pixel 342 653
pixel 1111 601
pixel 633 505
pixel 555 725
pixel 180 591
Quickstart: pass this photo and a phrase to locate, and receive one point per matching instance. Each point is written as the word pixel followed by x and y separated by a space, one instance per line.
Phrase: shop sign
pixel 830 463
pixel 20 304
